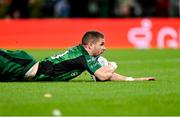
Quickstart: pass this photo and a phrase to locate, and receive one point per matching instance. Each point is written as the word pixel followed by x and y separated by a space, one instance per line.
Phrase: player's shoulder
pixel 75 49
pixel 76 52
pixel 81 50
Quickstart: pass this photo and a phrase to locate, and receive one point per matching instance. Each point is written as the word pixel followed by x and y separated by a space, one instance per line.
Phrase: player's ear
pixel 90 45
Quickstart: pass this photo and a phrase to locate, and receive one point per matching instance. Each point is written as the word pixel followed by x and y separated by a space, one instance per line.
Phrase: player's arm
pixel 106 72
pixel 118 77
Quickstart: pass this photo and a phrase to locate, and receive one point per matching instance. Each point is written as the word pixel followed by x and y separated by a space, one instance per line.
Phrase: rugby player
pixel 20 66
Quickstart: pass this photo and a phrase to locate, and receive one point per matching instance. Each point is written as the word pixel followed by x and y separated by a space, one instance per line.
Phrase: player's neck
pixel 88 50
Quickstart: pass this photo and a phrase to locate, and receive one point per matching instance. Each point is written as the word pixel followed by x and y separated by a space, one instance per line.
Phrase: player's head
pixel 94 42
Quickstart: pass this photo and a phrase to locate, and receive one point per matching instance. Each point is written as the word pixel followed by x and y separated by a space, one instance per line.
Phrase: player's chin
pixel 100 53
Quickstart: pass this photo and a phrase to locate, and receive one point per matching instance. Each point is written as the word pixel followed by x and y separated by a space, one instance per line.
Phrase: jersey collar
pixel 83 49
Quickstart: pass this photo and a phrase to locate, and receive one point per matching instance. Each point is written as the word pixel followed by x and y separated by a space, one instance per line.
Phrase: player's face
pixel 98 47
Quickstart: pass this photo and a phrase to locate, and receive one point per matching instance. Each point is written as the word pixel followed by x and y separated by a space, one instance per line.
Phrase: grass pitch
pixel 81 96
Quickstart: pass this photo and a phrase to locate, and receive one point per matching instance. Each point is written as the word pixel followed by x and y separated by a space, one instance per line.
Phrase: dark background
pixel 88 8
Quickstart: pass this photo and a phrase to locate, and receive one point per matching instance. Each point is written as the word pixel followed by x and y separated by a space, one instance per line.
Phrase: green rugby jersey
pixel 67 65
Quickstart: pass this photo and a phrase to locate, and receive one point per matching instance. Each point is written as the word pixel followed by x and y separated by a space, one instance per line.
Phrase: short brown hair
pixel 91 37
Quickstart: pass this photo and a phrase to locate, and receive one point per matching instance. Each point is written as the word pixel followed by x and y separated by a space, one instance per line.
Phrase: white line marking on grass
pixel 56 113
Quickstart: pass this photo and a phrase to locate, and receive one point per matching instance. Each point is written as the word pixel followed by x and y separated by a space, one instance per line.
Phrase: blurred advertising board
pixel 64 33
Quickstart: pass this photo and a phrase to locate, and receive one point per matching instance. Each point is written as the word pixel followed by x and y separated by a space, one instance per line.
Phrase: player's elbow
pixel 105 76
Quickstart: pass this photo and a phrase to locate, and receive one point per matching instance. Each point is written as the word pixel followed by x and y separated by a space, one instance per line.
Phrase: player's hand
pixel 146 79
pixel 151 78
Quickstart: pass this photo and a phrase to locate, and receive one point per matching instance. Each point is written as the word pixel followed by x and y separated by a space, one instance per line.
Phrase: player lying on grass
pixel 20 66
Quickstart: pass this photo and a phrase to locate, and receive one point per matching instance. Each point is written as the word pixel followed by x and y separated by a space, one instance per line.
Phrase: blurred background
pixel 61 23
pixel 88 8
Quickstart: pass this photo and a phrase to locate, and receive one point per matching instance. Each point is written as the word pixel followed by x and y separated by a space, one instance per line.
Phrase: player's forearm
pixel 107 72
pixel 118 77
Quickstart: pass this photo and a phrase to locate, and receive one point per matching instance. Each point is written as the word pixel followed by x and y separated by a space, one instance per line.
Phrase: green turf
pixel 81 96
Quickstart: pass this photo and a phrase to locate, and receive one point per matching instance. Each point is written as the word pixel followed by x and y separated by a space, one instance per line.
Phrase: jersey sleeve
pixel 91 64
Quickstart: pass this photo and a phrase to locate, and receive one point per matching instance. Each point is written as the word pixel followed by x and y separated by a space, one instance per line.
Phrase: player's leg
pixel 14 64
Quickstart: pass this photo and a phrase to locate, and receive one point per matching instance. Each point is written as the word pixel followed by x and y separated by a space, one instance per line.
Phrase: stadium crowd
pixel 88 8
